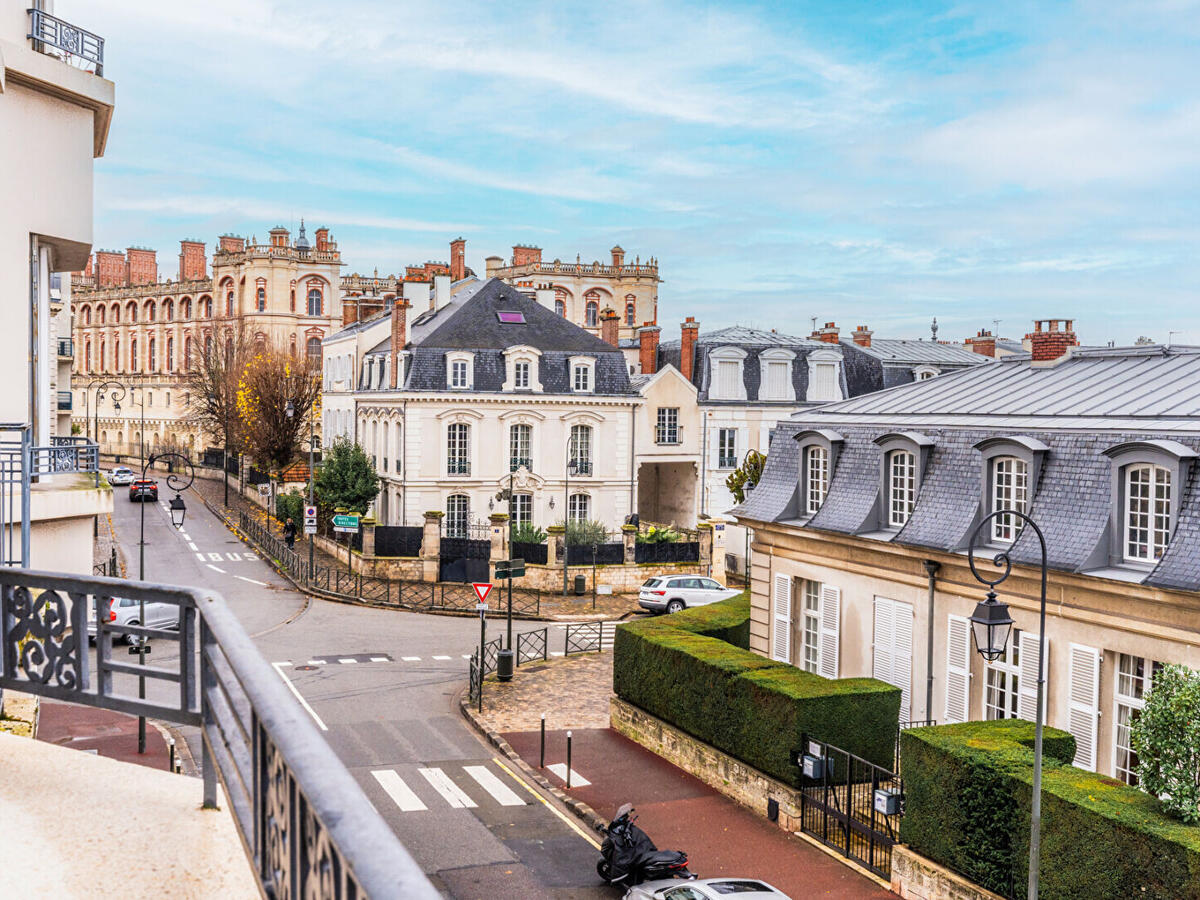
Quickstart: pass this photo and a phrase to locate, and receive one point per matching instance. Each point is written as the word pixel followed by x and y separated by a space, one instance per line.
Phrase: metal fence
pixel 306 825
pixel 398 540
pixel 607 554
pixel 77 47
pixel 534 554
pixel 532 645
pixel 667 552
pixel 588 637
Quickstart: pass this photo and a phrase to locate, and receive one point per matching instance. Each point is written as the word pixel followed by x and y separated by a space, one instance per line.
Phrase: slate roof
pixel 1078 408
pixel 914 353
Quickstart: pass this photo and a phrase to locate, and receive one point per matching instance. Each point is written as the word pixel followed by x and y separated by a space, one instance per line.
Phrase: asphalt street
pixel 383 686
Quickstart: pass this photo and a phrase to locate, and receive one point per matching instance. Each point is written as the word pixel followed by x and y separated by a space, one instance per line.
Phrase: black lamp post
pixel 992 626
pixel 178 512
pixel 101 386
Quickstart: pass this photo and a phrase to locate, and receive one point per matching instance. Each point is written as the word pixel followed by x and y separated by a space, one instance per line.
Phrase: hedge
pixel 692 670
pixel 968 790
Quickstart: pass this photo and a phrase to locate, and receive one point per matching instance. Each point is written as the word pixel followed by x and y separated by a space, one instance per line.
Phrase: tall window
pixel 153 356
pixel 87 315
pixel 729 379
pixel 206 307
pixel 292 299
pixel 902 487
pixel 399 446
pixel 260 299
pixel 630 309
pixel 131 311
pixel 185 308
pixel 187 352
pixel 87 356
pixel 592 308
pixel 583 378
pixel 99 315
pixel 102 369
pixel 458 373
pixel 458 512
pixel 521 374
pixel 168 310
pixel 776 383
pixel 117 353
pixel 1010 490
pixel 727 448
pixel 1002 689
pixel 314 301
pixel 229 303
pixel 519 441
pixel 1147 512
pixel 458 449
pixel 666 429
pixel 133 355
pixel 116 314
pixel 579 508
pixel 522 510
pixel 560 307
pixel 150 311
pixel 581 448
pixel 810 627
pixel 312 351
pixel 1134 676
pixel 208 345
pixel 816 472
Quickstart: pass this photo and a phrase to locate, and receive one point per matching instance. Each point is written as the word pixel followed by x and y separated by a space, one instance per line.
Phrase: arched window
pixel 560 307
pixel 458 449
pixel 228 349
pixel 153 367
pixel 168 310
pixel 187 352
pixel 185 308
pixel 901 487
pixel 87 315
pixel 229 303
pixel 314 301
pixel 102 369
pixel 630 309
pixel 170 354
pixel 579 508
pixel 580 449
pixel 150 310
pixel 100 315
pixel 87 356
pixel 116 313
pixel 313 351
pixel 458 513
pixel 260 299
pixel 206 307
pixel 520 441
pixel 1147 512
pixel 292 299
pixel 208 345
pixel 592 315
pixel 292 348
pixel 133 357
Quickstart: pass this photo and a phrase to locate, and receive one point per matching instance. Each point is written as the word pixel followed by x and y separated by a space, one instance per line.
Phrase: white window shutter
pixel 1027 702
pixel 958 669
pixel 902 650
pixel 781 621
pixel 831 615
pixel 881 661
pixel 1084 709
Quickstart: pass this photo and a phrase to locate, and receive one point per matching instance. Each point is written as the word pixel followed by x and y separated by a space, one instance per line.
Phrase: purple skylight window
pixel 511 318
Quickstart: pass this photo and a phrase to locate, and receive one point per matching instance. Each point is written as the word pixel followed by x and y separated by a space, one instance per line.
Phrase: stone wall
pixel 916 878
pixel 625 578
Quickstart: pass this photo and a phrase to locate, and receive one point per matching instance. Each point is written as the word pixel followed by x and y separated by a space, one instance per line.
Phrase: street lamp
pixel 992 626
pixel 178 511
pixel 101 385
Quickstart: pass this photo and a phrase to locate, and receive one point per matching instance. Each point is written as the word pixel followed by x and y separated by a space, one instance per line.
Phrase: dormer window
pixel 582 370
pixel 824 375
pixel 924 373
pixel 725 380
pixel 1010 491
pixel 1146 481
pixel 819 451
pixel 460 374
pixel 905 455
pixel 521 375
pixel 776 367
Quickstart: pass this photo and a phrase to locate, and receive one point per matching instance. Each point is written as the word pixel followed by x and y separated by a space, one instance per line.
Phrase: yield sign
pixel 482 589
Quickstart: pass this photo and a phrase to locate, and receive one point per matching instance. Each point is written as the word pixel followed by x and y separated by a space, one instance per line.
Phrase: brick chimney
pixel 618 256
pixel 609 327
pixel 1051 339
pixel 458 259
pixel 524 254
pixel 983 343
pixel 399 337
pixel 690 330
pixel 279 236
pixel 110 269
pixel 349 310
pixel 826 335
pixel 231 243
pixel 192 264
pixel 141 266
pixel 648 353
pixel 862 336
pixel 321 236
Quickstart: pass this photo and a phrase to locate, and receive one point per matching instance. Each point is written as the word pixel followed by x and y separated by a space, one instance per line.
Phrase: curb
pixel 582 811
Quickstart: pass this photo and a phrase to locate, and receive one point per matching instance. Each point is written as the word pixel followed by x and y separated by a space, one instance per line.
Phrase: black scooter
pixel 628 856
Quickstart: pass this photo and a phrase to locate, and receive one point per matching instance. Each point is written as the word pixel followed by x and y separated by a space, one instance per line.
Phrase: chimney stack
pixel 983 343
pixel 417 294
pixel 826 335
pixel 618 256
pixel 648 349
pixel 110 269
pixel 192 264
pixel 321 236
pixel 862 336
pixel 687 346
pixel 231 243
pixel 399 337
pixel 441 290
pixel 492 265
pixel 458 259
pixel 524 254
pixel 1051 339
pixel 279 236
pixel 141 266
pixel 349 310
pixel 609 325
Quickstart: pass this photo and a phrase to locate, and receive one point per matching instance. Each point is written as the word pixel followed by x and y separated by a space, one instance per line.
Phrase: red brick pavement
pixel 679 811
pixel 111 734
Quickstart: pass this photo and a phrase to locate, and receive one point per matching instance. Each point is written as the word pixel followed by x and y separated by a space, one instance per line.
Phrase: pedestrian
pixel 289 533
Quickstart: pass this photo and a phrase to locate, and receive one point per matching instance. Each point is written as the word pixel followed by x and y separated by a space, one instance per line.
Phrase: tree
pixel 210 379
pixel 745 477
pixel 346 478
pixel 269 385
pixel 1166 738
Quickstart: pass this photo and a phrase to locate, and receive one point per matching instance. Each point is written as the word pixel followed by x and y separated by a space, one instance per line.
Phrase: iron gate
pixel 464 559
pixel 850 804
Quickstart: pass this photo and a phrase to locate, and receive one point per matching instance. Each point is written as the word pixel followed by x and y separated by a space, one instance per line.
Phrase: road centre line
pixel 192 545
pixel 278 667
pixel 251 580
pixel 215 569
pixel 411 658
pixel 546 803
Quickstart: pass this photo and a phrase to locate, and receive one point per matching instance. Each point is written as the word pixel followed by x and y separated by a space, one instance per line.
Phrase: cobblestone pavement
pixel 572 693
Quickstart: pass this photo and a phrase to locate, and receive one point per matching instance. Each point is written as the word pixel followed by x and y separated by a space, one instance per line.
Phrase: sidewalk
pixel 107 733
pixel 676 809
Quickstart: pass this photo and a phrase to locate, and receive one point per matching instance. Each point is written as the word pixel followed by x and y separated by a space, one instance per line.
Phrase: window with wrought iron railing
pixel 667 430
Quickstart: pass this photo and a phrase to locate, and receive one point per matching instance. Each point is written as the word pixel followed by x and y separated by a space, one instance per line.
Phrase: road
pixel 383 686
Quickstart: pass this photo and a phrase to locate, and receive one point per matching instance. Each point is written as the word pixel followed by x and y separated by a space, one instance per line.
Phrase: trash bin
pixel 580 585
pixel 504 665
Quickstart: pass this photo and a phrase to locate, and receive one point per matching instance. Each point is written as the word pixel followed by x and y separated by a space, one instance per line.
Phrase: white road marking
pixel 286 662
pixel 570 823
pixel 553 653
pixel 215 557
pixel 400 792
pixel 346 659
pixel 251 580
pixel 192 546
pixel 233 557
pixel 501 792
pixel 215 569
pixel 379 659
pixel 450 791
pixel 411 658
pixel 466 656
pixel 560 769
pixel 291 687
pixel 317 662
pixel 201 557
pixel 441 657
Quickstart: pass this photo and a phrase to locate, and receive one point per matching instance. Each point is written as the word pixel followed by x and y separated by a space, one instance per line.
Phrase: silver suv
pixel 124 611
pixel 671 593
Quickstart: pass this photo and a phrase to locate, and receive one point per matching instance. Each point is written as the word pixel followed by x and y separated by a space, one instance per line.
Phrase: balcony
pixel 64 400
pixel 74 46
pixel 66 348
pixel 306 826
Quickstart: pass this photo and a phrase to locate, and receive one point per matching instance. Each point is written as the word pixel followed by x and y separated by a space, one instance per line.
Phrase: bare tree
pixel 210 378
pixel 275 396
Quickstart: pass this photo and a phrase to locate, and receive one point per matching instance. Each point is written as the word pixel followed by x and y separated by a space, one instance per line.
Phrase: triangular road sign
pixel 482 589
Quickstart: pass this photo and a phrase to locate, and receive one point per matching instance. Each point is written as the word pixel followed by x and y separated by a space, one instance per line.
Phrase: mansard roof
pixel 906 352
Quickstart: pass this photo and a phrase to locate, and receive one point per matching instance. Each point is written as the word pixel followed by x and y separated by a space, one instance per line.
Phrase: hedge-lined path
pixel 553 606
pixel 677 810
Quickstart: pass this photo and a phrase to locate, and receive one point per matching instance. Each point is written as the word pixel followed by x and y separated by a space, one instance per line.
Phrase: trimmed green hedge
pixel 968 790
pixel 691 669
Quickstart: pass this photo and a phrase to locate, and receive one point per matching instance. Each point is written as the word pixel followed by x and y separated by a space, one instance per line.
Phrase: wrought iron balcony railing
pixel 79 48
pixel 307 827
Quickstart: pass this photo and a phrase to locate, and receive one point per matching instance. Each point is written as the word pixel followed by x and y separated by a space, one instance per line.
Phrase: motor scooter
pixel 628 856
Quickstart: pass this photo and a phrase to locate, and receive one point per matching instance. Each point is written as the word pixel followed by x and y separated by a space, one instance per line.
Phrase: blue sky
pixel 864 163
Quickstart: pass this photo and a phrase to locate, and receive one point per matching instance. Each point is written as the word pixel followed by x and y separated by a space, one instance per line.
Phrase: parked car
pixel 671 593
pixel 706 889
pixel 143 489
pixel 124 611
pixel 121 476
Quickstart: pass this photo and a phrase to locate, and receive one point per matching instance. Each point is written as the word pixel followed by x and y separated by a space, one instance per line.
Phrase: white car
pixel 671 593
pixel 124 611
pixel 706 889
pixel 121 475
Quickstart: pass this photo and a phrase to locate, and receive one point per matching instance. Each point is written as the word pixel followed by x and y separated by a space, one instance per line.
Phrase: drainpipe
pixel 703 461
pixel 633 409
pixel 931 569
pixel 404 465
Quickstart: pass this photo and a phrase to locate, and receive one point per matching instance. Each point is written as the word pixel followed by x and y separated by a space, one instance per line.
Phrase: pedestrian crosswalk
pixel 456 786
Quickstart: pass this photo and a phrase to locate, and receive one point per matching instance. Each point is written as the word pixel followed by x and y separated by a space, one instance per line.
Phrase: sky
pixel 865 163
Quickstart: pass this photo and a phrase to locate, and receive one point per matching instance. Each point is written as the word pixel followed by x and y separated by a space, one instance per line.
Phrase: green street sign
pixel 510 568
pixel 345 523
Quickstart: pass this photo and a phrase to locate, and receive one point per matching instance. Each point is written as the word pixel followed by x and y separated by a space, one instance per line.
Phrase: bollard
pixel 171 755
pixel 568 760
pixel 542 755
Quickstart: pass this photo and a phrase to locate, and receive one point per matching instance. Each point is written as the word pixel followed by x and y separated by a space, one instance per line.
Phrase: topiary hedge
pixel 968 790
pixel 691 669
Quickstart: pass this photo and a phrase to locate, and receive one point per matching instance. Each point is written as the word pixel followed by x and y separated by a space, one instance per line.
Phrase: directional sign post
pixel 482 589
pixel 346 523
